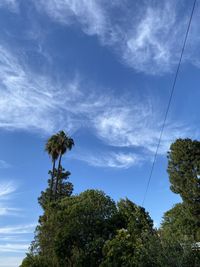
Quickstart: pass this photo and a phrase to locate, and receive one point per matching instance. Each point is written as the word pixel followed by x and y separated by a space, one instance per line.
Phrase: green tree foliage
pixel 64 188
pixel 184 173
pixel 90 230
pixel 180 229
pixel 74 230
pixel 84 222
pixel 179 233
pixel 137 243
pixel 178 224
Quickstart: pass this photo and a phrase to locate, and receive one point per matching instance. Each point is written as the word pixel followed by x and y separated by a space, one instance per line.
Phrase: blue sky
pixel 102 71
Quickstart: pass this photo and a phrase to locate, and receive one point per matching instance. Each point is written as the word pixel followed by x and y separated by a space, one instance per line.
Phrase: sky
pixel 102 71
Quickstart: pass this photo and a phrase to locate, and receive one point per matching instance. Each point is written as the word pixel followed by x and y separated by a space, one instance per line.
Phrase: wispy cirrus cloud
pixel 17 229
pixel 149 43
pixel 146 35
pixel 138 126
pixel 6 189
pixel 38 103
pixel 118 160
pixel 6 194
pixel 34 102
pixel 9 211
pixel 13 238
pixel 14 242
pixel 11 261
pixel 15 87
pixel 16 248
pixel 88 13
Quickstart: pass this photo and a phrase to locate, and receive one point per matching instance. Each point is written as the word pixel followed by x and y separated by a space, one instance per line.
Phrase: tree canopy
pixel 89 229
pixel 184 172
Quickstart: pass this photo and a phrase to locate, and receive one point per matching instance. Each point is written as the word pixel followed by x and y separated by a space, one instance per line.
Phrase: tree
pixel 38 255
pixel 74 230
pixel 63 144
pixel 184 173
pixel 180 229
pixel 89 229
pixel 52 150
pixel 64 189
pixel 56 146
pixel 33 258
pixel 178 233
pixel 136 244
pixel 178 224
pixel 84 223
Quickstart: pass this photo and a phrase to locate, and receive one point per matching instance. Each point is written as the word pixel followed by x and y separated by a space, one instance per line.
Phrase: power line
pixel 170 100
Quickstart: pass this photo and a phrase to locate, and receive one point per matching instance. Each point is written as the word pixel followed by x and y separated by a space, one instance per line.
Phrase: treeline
pixel 90 229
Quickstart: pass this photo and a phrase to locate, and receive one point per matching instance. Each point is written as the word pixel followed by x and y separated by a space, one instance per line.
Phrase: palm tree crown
pixel 64 142
pixel 51 147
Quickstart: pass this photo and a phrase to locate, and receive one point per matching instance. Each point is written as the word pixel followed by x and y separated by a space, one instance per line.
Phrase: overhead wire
pixel 169 101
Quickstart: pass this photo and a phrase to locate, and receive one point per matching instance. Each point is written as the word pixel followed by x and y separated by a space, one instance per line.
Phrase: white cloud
pixel 117 160
pixel 11 261
pixel 87 12
pixel 6 193
pixel 36 103
pixel 137 125
pixel 17 229
pixel 148 47
pixel 9 211
pixel 147 35
pixel 6 188
pixel 122 126
pixel 14 248
pixel 91 15
pixel 32 102
pixel 15 240
pixel 27 102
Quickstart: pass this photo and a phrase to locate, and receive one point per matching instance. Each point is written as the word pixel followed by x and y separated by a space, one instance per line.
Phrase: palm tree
pixel 52 150
pixel 64 144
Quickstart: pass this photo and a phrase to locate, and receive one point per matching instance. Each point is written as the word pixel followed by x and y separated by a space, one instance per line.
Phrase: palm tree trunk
pixel 58 174
pixel 52 178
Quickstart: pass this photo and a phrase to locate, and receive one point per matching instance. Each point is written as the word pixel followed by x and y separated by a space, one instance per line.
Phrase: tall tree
pixel 184 173
pixel 65 189
pixel 76 229
pixel 136 243
pixel 64 143
pixel 178 224
pixel 52 150
pixel 179 233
